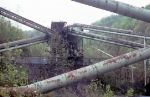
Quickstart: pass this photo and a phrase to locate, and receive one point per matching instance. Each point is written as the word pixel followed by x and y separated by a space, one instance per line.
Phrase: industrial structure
pixel 66 43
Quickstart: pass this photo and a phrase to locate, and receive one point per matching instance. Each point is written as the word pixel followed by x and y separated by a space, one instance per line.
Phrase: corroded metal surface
pixel 90 71
pixel 120 8
pixel 46 30
pixel 112 30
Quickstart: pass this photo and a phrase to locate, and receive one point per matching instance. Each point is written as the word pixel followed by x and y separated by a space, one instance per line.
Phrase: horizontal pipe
pixel 116 33
pixel 90 71
pixel 23 45
pixel 105 41
pixel 19 18
pixel 120 8
pixel 23 41
pixel 121 41
pixel 113 31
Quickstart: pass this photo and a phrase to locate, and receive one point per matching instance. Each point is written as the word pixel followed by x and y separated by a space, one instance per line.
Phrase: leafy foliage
pixel 12 75
pixel 130 92
pixel 119 78
pixel 10 71
pixel 109 92
pixel 8 32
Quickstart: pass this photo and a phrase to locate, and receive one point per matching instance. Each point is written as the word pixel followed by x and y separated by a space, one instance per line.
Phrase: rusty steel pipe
pixel 113 31
pixel 120 8
pixel 84 73
pixel 90 71
pixel 23 41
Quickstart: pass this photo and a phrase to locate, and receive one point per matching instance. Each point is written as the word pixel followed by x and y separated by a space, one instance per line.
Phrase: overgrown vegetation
pixel 12 74
pixel 120 80
pixel 117 82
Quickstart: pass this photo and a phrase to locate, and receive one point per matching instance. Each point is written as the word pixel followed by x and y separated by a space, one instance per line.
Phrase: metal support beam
pixel 132 72
pixel 23 41
pixel 84 73
pixel 112 31
pixel 120 41
pixel 105 41
pixel 120 8
pixel 24 21
pixel 104 52
pixel 23 45
pixel 145 65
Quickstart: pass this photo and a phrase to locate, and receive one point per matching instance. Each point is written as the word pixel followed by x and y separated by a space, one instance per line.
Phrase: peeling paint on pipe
pixel 120 8
pixel 90 71
pixel 81 74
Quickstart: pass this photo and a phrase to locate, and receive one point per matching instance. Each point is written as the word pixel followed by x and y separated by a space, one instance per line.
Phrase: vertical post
pixel 144 65
pixel 1 58
pixel 132 74
pixel 82 53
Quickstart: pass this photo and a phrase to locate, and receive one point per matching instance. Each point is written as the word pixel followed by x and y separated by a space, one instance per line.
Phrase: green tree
pixel 8 32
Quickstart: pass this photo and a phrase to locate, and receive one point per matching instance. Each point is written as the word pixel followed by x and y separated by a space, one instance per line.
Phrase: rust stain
pixel 114 60
pixel 116 2
pixel 127 5
pixel 69 77
pixel 53 81
pixel 71 74
pixel 83 71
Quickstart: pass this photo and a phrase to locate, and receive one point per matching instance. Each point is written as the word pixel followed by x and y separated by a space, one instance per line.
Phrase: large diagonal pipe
pixel 120 8
pixel 84 73
pixel 91 71
pixel 112 31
